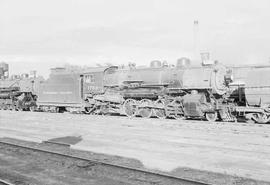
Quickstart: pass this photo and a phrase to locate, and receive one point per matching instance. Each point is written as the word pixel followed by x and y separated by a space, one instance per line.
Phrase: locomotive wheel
pixel 211 116
pixel 160 110
pixel 145 110
pixel 33 108
pixel 88 110
pixel 261 118
pixel 20 108
pixel 45 109
pixel 130 107
pixel 14 108
pixel 104 109
pixel 57 109
pixel 9 107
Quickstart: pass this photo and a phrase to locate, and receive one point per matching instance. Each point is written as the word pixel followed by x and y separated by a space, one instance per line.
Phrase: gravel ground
pixel 24 167
pixel 223 153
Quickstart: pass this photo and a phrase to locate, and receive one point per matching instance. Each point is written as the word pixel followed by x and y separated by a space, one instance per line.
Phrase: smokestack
pixel 196 55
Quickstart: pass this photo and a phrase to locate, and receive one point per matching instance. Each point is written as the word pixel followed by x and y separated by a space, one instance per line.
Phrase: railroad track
pixel 177 179
pixel 3 182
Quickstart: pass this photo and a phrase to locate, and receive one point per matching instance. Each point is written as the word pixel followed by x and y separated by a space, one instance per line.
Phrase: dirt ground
pixel 236 149
pixel 24 167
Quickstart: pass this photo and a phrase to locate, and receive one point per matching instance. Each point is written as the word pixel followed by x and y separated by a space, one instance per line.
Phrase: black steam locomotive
pixel 18 92
pixel 156 91
pixel 180 91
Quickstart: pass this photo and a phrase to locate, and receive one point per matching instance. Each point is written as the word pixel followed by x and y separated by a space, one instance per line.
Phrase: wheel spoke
pixel 145 109
pixel 211 116
pixel 130 108
pixel 261 118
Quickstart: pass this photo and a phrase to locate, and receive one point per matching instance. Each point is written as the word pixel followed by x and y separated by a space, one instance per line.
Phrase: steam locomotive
pixel 18 92
pixel 156 91
pixel 181 91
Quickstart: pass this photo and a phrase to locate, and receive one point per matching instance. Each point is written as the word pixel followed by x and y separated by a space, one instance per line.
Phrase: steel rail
pixel 3 182
pixel 57 143
pixel 160 174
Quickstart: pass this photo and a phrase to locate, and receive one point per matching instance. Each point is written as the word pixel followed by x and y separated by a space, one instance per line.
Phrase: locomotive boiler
pixel 146 90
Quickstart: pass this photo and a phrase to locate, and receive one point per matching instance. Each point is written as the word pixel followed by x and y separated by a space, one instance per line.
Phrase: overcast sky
pixel 44 33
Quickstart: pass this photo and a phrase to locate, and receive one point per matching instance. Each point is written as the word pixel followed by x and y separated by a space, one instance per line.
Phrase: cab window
pixel 89 79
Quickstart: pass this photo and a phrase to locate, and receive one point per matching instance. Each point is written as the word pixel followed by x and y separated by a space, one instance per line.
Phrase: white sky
pixel 39 34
